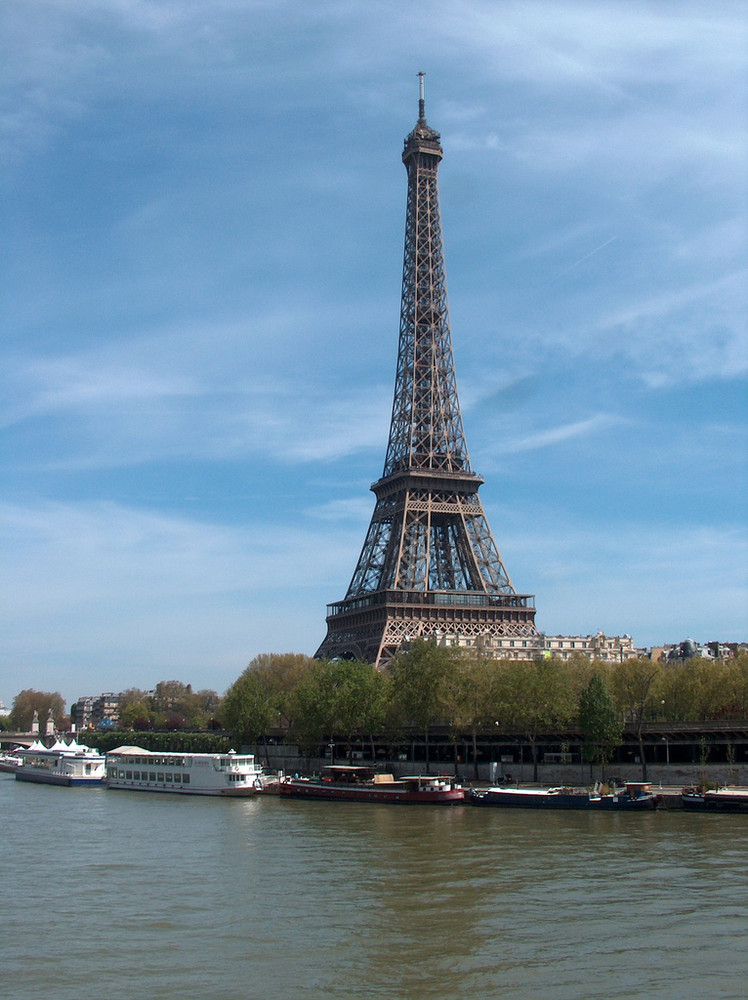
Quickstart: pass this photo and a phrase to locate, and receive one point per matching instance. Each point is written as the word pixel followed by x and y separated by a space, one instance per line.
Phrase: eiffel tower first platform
pixel 429 566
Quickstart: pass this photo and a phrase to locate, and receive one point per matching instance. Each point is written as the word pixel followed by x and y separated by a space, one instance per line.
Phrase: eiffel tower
pixel 429 566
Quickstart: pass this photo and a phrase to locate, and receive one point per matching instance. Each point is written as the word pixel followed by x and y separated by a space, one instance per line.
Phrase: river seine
pixel 129 895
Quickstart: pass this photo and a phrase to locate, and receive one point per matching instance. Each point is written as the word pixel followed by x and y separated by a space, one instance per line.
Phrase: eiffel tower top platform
pixel 429 566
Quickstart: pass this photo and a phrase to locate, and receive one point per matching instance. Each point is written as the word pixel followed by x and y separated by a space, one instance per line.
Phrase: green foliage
pixel 532 696
pixel 420 679
pixel 697 689
pixel 419 676
pixel 171 705
pixel 262 697
pixel 250 708
pixel 600 723
pixel 338 698
pixel 166 742
pixel 635 685
pixel 426 685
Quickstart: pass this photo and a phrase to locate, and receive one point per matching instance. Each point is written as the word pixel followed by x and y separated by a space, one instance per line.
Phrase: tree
pixel 533 696
pixel 468 698
pixel 261 696
pixel 343 698
pixel 282 673
pixel 136 715
pixel 601 726
pixel 419 675
pixel 635 691
pixel 737 684
pixel 44 703
pixel 249 708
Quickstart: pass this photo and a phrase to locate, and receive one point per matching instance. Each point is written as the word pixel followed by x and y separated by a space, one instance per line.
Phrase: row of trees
pixel 319 701
pixel 171 705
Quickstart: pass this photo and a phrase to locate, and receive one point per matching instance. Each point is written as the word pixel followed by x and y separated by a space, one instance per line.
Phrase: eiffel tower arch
pixel 429 566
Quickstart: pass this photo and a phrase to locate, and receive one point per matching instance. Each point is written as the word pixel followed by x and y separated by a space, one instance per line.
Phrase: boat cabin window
pixel 185 779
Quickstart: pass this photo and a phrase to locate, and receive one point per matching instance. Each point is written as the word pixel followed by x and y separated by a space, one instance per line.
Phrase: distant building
pixel 89 712
pixel 608 648
pixel 612 649
pixel 81 713
pixel 690 649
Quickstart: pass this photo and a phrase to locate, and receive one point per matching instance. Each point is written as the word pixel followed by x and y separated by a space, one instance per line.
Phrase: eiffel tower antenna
pixel 429 566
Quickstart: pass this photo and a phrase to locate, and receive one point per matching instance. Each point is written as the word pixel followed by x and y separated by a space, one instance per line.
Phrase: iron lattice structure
pixel 429 566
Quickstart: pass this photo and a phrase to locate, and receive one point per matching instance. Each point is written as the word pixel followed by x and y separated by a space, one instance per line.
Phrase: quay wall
pixel 290 760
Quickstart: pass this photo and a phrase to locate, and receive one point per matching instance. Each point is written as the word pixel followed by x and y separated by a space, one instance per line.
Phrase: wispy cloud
pixel 564 432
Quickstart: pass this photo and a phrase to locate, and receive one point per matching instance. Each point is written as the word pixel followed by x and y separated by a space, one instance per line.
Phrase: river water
pixel 130 895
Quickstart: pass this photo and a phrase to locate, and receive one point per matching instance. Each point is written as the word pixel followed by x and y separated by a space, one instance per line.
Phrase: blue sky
pixel 203 230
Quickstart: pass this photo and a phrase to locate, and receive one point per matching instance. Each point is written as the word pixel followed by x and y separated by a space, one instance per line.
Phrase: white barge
pixel 228 774
pixel 61 764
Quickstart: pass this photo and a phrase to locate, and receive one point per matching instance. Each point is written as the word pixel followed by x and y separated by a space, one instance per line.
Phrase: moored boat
pixel 363 784
pixel 225 774
pixel 716 800
pixel 634 795
pixel 9 762
pixel 61 764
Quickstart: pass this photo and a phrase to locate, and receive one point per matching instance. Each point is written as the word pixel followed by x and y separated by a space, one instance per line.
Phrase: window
pixel 185 779
pixel 168 776
pixel 177 777
pixel 152 776
pixel 160 775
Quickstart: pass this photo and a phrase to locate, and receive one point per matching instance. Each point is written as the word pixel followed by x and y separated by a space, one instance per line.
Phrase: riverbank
pixel 288 758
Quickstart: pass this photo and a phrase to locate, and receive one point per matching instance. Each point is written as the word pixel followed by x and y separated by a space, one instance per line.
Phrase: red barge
pixel 364 784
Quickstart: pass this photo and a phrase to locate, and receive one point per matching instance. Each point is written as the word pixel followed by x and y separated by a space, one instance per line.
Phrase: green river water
pixel 130 895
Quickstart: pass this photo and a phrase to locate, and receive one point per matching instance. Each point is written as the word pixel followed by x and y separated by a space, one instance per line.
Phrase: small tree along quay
pixel 420 676
pixel 534 696
pixel 599 722
pixel 635 684
pixel 343 698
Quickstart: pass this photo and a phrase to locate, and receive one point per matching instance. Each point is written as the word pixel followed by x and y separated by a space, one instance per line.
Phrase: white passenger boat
pixel 61 764
pixel 228 774
pixel 9 762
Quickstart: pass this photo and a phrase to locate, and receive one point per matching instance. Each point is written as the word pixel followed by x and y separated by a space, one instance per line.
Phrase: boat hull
pixel 718 801
pixel 39 777
pixel 225 793
pixel 518 798
pixel 303 789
